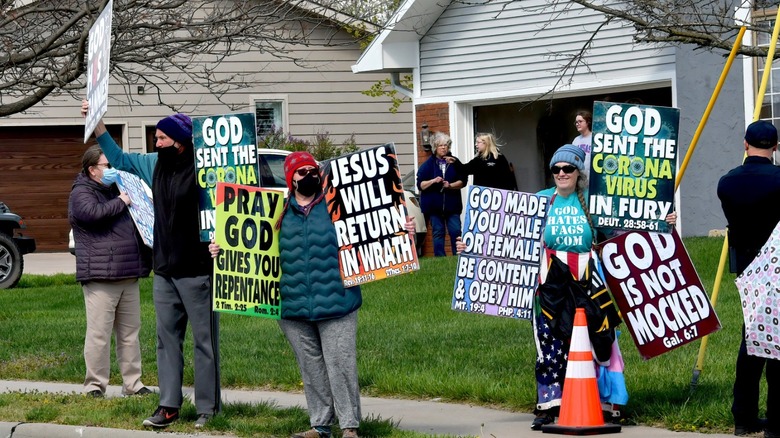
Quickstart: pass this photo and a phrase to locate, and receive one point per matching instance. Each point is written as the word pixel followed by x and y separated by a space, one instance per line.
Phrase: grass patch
pixel 410 345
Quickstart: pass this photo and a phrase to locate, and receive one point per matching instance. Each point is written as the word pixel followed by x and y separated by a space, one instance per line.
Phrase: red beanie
pixel 295 161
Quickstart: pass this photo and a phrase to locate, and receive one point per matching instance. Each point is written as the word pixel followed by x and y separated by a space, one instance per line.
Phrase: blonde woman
pixel 490 168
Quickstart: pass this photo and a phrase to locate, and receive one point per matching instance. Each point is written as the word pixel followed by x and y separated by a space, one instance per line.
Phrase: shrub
pixel 322 148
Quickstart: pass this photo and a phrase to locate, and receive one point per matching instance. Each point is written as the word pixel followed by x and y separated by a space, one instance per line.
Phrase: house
pixel 511 68
pixel 312 92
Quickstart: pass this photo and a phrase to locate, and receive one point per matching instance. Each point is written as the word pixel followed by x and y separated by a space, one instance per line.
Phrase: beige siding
pixel 323 95
pixel 523 45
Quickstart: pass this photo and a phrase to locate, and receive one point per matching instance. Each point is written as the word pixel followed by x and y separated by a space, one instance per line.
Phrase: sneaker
pixel 541 420
pixel 349 433
pixel 746 429
pixel 96 393
pixel 143 391
pixel 311 433
pixel 202 420
pixel 162 417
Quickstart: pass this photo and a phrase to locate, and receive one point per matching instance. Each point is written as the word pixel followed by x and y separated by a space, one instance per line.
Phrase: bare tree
pixel 707 24
pixel 154 42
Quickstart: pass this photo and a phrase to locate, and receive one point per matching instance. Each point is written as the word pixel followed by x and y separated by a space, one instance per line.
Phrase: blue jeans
pixel 438 222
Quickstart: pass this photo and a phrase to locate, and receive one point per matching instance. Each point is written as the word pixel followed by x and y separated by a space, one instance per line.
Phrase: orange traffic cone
pixel 580 404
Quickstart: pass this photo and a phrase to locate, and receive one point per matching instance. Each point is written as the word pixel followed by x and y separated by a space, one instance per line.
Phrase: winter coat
pixel 108 246
pixel 435 199
pixel 178 251
pixel 311 284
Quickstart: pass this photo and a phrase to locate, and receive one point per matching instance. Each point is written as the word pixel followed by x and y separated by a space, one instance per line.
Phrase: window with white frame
pixel 770 106
pixel 269 115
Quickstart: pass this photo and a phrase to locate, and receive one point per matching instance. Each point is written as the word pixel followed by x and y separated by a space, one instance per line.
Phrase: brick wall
pixel 437 116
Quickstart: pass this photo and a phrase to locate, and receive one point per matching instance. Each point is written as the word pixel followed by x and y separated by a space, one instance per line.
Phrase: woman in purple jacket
pixel 110 257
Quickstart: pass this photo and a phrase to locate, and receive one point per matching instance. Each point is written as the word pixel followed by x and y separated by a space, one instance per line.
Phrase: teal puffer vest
pixel 311 284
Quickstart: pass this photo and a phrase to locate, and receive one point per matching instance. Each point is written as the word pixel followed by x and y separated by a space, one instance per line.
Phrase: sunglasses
pixel 306 172
pixel 566 169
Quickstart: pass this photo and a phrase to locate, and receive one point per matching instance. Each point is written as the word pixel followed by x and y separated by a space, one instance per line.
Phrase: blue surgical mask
pixel 109 176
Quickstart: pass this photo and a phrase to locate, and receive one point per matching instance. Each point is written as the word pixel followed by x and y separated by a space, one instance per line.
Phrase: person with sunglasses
pixel 569 229
pixel 319 315
pixel 110 258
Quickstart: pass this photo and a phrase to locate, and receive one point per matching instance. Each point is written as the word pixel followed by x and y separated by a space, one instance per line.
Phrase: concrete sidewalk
pixel 429 417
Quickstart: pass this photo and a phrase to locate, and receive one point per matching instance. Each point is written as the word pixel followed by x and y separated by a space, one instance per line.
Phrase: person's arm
pixel 425 185
pixel 135 163
pixel 87 209
pixel 141 165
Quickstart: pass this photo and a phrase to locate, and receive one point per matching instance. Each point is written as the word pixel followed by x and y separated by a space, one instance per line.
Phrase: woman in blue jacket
pixel 440 179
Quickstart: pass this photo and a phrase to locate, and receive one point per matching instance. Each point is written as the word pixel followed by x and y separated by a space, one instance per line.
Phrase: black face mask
pixel 308 185
pixel 167 154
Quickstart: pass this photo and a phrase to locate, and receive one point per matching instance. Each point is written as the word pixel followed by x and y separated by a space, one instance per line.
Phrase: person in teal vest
pixel 319 315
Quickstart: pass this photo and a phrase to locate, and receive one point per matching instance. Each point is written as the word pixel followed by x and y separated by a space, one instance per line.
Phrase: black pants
pixel 746 387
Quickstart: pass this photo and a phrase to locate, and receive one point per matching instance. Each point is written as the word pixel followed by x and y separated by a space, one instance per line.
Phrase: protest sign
pixel 633 166
pixel 757 286
pixel 141 207
pixel 225 151
pixel 498 271
pixel 366 203
pixel 657 290
pixel 98 64
pixel 247 271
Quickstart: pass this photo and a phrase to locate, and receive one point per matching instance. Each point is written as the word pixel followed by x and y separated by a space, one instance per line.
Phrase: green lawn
pixel 410 344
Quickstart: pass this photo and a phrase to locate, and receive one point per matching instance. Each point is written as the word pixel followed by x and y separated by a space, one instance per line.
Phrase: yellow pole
pixel 710 105
pixel 724 252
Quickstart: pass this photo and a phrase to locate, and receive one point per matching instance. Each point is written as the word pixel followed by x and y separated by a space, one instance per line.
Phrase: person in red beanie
pixel 319 315
pixel 182 267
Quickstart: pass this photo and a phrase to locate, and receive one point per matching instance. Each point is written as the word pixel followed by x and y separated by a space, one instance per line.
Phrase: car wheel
pixel 11 262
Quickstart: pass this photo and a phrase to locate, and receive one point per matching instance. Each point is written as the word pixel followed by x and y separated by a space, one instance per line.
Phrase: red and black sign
pixel 657 291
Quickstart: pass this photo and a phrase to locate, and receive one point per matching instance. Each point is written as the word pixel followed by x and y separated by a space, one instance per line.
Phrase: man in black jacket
pixel 750 197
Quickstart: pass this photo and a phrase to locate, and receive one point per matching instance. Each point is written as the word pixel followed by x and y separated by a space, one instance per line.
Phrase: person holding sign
pixel 182 267
pixel 749 197
pixel 570 230
pixel 440 179
pixel 583 123
pixel 110 257
pixel 490 167
pixel 319 314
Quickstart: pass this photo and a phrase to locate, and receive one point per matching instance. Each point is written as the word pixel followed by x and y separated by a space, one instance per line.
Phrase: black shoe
pixel 96 393
pixel 540 421
pixel 746 429
pixel 143 391
pixel 163 417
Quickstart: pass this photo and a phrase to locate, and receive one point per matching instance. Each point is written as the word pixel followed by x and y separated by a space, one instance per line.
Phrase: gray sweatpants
pixel 177 300
pixel 327 357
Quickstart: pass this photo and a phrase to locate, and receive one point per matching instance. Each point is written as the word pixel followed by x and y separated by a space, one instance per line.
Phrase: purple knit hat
pixel 178 127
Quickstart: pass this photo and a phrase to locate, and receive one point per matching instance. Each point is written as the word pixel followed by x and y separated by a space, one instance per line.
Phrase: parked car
pixel 13 246
pixel 413 206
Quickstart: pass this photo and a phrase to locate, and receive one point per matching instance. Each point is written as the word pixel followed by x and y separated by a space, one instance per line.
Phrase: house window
pixel 770 107
pixel 269 114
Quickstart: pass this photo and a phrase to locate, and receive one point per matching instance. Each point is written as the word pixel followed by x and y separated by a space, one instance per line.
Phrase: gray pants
pixel 177 300
pixel 327 357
